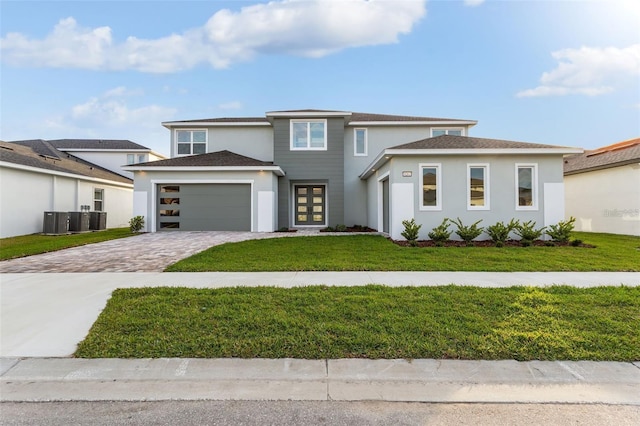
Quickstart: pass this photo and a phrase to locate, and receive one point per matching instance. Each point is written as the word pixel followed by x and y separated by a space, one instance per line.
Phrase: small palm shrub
pixel 561 232
pixel 441 233
pixel 527 232
pixel 499 233
pixel 467 233
pixel 411 229
pixel 136 223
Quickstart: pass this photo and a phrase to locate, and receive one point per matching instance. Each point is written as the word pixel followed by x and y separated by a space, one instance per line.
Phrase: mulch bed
pixel 488 243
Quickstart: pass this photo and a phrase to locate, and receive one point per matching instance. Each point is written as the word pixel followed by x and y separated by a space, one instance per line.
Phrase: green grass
pixel 28 245
pixel 376 253
pixel 522 323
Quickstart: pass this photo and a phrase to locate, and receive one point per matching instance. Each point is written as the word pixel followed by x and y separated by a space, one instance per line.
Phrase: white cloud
pixel 231 105
pixel 588 71
pixel 310 28
pixel 473 3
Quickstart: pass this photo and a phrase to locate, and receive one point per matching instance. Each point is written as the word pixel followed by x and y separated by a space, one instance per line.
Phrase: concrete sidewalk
pixel 64 379
pixel 48 314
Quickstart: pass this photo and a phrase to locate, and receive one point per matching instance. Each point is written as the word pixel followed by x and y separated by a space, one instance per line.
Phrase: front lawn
pixel 27 245
pixel 522 323
pixel 376 253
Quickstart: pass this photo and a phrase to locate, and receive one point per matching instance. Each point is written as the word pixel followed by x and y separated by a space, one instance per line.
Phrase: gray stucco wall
pixel 326 167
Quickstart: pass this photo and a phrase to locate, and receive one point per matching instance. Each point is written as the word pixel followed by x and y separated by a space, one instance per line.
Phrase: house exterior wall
pixel 322 167
pixel 250 141
pixel 264 186
pixel 22 215
pixel 453 186
pixel 605 200
pixel 110 160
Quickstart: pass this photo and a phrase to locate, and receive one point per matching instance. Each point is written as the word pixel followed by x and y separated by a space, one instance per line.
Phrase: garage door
pixel 204 207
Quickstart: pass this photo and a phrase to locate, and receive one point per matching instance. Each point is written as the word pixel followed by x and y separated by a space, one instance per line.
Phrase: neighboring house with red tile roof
pixel 36 177
pixel 602 188
pixel 318 168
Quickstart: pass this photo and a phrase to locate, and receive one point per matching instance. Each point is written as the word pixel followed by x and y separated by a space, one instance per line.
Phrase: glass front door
pixel 309 205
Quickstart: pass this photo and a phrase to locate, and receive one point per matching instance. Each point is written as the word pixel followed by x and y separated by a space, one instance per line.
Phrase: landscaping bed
pixel 489 243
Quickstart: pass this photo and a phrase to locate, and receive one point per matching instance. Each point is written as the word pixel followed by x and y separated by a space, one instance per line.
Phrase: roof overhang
pixel 64 174
pixel 412 123
pixel 173 124
pixel 387 154
pixel 635 162
pixel 103 150
pixel 319 114
pixel 274 169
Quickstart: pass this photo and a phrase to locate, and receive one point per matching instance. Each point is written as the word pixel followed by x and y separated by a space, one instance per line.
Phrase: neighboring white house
pixel 39 178
pixel 602 188
pixel 318 168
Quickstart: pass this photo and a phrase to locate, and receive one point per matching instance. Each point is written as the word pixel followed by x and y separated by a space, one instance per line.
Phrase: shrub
pixel 576 243
pixel 441 233
pixel 341 228
pixel 499 233
pixel 527 232
pixel 411 229
pixel 467 233
pixel 136 223
pixel 561 232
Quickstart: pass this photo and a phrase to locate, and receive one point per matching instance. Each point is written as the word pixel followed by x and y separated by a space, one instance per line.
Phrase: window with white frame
pixel 452 132
pixel 98 199
pixel 478 187
pixel 526 187
pixel 309 135
pixel 191 142
pixel 142 158
pixel 131 158
pixel 431 187
pixel 360 142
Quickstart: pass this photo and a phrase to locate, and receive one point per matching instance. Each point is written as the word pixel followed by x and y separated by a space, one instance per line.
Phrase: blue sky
pixel 556 72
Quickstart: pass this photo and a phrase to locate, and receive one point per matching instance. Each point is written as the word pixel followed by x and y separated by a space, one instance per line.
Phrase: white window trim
pixel 206 141
pixel 438 206
pixel 308 147
pixel 487 186
pixel 447 129
pixel 131 159
pixel 355 142
pixel 534 187
pixel 95 199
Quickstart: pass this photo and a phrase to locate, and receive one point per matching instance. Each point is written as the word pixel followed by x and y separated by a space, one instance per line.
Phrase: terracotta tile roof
pixel 467 142
pixel 211 159
pixel 37 154
pixel 618 154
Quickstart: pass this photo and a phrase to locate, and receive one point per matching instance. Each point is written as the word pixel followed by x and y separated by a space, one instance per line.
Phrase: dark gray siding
pixel 325 167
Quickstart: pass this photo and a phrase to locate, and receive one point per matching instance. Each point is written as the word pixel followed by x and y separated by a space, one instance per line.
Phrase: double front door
pixel 310 205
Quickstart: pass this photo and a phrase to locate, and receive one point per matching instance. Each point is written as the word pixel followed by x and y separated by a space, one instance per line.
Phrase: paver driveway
pixel 150 252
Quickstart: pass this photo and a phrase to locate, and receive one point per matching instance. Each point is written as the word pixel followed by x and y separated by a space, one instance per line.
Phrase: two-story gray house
pixel 318 168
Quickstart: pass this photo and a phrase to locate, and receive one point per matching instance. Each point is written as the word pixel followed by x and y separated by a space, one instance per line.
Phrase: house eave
pixel 173 124
pixel 412 123
pixel 64 174
pixel 274 169
pixel 321 114
pixel 102 150
pixel 603 167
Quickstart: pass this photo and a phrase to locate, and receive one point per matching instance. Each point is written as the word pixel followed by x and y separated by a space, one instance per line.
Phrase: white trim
pixel 175 141
pixel 355 142
pixel 438 206
pixel 292 203
pixel 171 124
pixel 275 169
pixel 487 186
pixel 280 114
pixel 123 150
pixel 64 174
pixel 308 147
pixel 411 123
pixel 534 187
pixel 381 179
pixel 94 199
pixel 447 129
pixel 164 181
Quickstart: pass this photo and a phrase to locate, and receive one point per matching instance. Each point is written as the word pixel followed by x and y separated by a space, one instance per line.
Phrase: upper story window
pixel 133 159
pixel 431 194
pixel 307 135
pixel 526 187
pixel 360 142
pixel 478 186
pixel 191 142
pixel 452 132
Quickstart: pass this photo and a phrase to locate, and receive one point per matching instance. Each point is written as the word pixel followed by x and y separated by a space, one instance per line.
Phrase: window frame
pixel 100 200
pixel 534 186
pixel 308 147
pixel 355 142
pixel 447 129
pixel 131 159
pixel 487 186
pixel 206 141
pixel 438 167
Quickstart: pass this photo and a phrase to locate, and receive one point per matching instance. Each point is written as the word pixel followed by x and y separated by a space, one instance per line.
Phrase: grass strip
pixel 28 245
pixel 376 253
pixel 317 322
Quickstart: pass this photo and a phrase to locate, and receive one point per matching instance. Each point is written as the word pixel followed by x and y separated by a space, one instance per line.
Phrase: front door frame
pixel 293 204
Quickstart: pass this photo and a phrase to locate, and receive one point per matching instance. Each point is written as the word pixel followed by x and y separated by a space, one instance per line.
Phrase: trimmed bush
pixel 441 233
pixel 411 229
pixel 527 232
pixel 136 223
pixel 561 232
pixel 499 233
pixel 467 233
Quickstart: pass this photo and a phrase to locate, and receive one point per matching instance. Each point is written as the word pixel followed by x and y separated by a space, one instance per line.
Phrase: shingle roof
pixel 211 159
pixel 467 142
pixel 30 155
pixel 619 154
pixel 122 144
pixel 224 120
pixel 363 116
